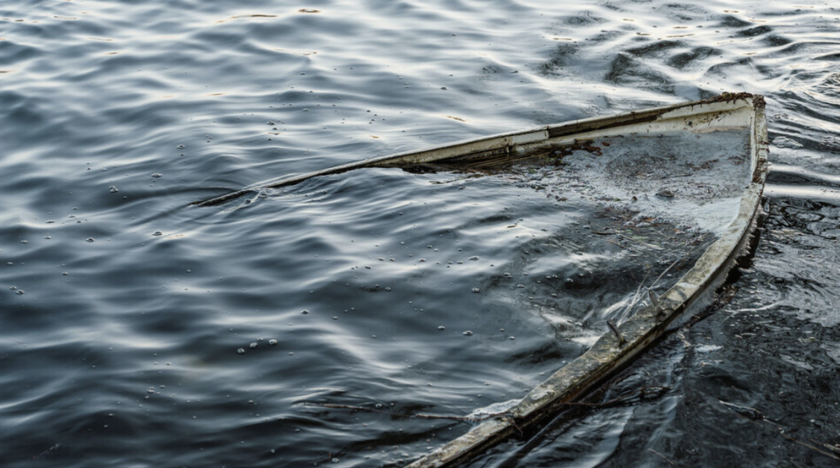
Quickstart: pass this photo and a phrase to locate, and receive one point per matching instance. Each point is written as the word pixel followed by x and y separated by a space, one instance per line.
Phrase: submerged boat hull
pixel 612 351
pixel 615 349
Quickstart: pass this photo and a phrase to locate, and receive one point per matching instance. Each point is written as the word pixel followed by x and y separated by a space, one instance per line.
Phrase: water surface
pixel 124 309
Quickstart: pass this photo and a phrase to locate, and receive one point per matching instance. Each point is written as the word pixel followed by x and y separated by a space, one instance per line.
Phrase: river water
pixel 140 331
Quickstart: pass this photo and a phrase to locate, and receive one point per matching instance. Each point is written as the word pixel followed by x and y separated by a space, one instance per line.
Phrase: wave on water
pixel 140 331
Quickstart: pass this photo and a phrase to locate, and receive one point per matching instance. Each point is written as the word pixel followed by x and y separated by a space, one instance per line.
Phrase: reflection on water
pixel 123 309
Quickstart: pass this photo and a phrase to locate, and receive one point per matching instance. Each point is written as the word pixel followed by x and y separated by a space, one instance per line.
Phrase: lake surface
pixel 139 331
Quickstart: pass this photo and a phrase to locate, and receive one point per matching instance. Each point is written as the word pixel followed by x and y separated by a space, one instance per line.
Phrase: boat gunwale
pixel 507 141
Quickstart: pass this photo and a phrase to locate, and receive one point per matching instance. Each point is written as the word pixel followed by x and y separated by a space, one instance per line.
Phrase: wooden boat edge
pixel 520 140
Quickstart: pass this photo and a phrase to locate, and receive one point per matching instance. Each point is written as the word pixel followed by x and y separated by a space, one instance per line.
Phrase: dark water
pixel 123 309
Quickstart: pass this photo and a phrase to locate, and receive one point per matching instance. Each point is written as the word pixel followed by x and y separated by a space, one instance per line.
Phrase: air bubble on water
pixel 468 333
pixel 157 233
pixel 47 237
pixel 520 286
pixel 441 328
pixel 253 345
pixel 113 189
pixel 241 350
pixel 24 242
pixel 65 273
pixel 473 258
pixel 90 239
pixel 335 318
pixel 512 337
pixel 334 460
pixel 157 175
pixel 181 146
pixel 476 290
pixel 272 342
pixel 19 292
pixel 304 312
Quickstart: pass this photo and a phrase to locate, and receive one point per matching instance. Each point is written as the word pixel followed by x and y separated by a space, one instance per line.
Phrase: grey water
pixel 136 330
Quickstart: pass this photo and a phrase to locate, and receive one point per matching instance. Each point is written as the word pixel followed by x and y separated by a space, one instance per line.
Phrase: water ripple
pixel 134 306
